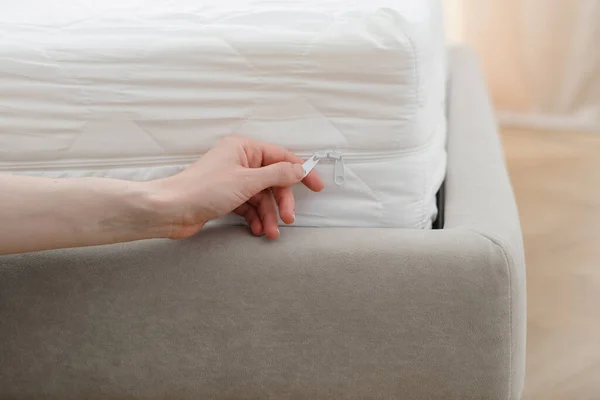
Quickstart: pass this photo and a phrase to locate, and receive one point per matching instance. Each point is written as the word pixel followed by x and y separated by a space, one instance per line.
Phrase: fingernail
pixel 299 171
pixel 278 232
pixel 293 217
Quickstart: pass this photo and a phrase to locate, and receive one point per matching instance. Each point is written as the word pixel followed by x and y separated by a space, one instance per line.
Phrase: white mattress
pixel 138 89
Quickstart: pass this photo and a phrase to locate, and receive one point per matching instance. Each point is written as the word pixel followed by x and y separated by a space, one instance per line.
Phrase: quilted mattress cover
pixel 139 89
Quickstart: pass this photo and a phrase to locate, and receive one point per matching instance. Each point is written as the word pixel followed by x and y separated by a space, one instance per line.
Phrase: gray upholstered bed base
pixel 318 314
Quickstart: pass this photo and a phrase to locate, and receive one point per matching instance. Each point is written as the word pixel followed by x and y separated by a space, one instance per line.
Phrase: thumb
pixel 280 174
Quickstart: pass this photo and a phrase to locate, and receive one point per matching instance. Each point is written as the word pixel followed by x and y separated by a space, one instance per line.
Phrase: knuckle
pixel 232 137
pixel 279 195
pixel 287 171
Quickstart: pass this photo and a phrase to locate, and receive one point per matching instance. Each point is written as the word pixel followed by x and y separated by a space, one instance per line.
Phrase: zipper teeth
pixel 364 155
pixel 98 164
pixel 186 160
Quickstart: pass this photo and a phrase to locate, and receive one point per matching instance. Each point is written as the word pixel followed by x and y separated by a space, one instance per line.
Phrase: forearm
pixel 40 213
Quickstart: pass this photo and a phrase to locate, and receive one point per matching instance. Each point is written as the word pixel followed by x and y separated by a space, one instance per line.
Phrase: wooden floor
pixel 556 177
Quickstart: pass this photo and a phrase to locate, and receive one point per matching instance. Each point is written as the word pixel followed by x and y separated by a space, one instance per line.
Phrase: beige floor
pixel 556 177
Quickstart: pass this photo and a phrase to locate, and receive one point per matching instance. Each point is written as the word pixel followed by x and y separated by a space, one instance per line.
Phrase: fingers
pixel 313 181
pixel 250 214
pixel 267 167
pixel 261 154
pixel 267 212
pixel 262 212
pixel 266 153
pixel 282 174
pixel 286 204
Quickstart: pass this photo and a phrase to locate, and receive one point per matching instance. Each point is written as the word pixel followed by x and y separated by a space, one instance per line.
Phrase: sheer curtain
pixel 541 58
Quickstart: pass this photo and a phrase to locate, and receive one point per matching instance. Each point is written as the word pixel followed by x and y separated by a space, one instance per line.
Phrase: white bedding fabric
pixel 137 89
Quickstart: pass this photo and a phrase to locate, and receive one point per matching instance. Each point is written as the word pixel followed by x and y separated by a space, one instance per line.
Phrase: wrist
pixel 159 205
pixel 174 219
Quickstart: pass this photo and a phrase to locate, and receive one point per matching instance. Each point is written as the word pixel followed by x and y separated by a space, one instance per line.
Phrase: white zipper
pixel 338 157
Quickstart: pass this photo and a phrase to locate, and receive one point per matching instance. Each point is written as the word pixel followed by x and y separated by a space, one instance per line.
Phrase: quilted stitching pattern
pixel 149 79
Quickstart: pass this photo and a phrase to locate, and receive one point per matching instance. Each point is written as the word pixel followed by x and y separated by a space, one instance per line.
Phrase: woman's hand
pixel 240 175
pixel 250 178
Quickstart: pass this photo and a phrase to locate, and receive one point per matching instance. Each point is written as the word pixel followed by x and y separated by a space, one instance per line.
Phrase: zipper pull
pixel 339 175
pixel 310 164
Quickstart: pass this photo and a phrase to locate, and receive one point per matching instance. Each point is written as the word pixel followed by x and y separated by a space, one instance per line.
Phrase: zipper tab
pixel 339 175
pixel 310 163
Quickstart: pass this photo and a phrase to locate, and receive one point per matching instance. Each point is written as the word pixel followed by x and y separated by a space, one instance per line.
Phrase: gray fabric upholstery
pixel 319 314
